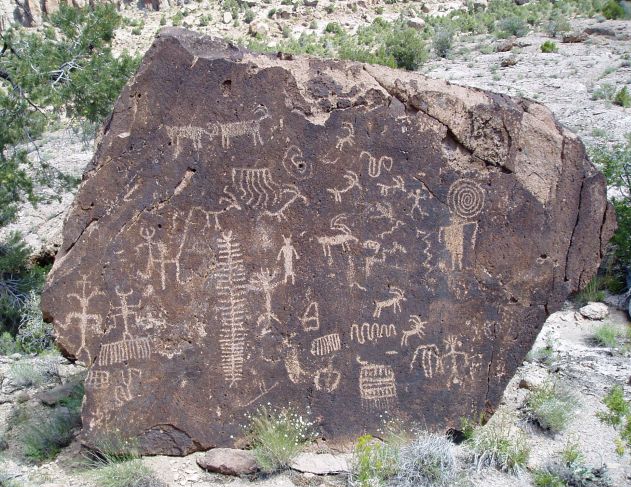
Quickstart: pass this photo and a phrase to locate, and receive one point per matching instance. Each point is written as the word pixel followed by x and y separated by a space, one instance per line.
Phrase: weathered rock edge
pixel 542 182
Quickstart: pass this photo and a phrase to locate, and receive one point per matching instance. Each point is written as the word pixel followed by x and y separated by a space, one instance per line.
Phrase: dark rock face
pixel 346 238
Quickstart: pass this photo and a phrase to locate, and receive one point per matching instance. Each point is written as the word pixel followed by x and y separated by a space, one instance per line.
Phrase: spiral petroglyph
pixel 466 198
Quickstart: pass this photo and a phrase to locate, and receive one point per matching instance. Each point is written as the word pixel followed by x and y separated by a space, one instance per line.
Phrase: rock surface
pixel 228 461
pixel 320 463
pixel 351 239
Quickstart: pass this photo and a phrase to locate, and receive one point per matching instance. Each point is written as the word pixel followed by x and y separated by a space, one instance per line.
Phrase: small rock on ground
pixel 594 311
pixel 228 461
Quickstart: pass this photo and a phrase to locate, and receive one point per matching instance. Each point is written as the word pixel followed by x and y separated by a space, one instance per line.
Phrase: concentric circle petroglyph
pixel 466 198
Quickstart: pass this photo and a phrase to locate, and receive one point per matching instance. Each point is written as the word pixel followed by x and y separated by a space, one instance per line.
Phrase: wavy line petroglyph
pixel 398 296
pixel 352 180
pixel 256 187
pixel 377 386
pixel 83 318
pixel 229 130
pixel 372 332
pixel 376 165
pixel 231 288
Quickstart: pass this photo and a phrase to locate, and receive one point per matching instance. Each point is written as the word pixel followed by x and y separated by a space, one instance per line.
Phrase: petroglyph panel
pixel 352 240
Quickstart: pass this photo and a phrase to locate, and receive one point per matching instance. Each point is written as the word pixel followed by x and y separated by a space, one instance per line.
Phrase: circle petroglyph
pixel 466 198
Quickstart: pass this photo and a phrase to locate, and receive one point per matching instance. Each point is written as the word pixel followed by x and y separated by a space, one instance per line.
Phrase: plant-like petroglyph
pixel 398 184
pixel 466 200
pixel 327 379
pixel 376 165
pixel 294 195
pixel 83 318
pixel 124 392
pixel 255 186
pixel 265 282
pixel 348 139
pixel 130 347
pixel 156 257
pixel 231 288
pixel 380 254
pixel 372 332
pixel 343 238
pixel 296 165
pixel 288 253
pixel 97 379
pixel 394 302
pixel 252 127
pixel 352 181
pixel 377 385
pixel 189 132
pixel 310 319
pixel 417 329
pixel 417 196
pixel 326 344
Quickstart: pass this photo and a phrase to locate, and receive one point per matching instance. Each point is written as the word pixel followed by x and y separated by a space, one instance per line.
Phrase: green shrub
pixel 8 345
pixel 623 98
pixel 548 47
pixel 545 478
pixel 373 463
pixel 177 19
pixel 617 407
pixel 132 473
pixel 34 336
pixel 277 437
pixel 499 444
pixel 334 28
pixel 558 25
pixel 591 293
pixel 543 355
pixel 27 374
pixel 426 462
pixel 163 20
pixel 607 335
pixel 613 10
pixel 442 42
pixel 512 26
pixel 551 406
pixel 249 16
pixel 271 12
pixel 406 47
pixel 43 440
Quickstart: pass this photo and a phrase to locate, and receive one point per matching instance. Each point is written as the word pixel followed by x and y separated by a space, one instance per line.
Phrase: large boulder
pixel 352 240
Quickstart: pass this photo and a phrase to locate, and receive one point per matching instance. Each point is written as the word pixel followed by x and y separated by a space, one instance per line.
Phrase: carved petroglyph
pixel 230 130
pixel 394 302
pixel 384 211
pixel 264 389
pixel 418 329
pixel 265 282
pixel 231 288
pixel 352 180
pixel 124 392
pixel 417 196
pixel 97 379
pixel 372 332
pixel 189 132
pixel 430 359
pixel 326 345
pixel 377 386
pixel 348 139
pixel 83 318
pixel 310 319
pixel 466 200
pixel 294 195
pixel 230 200
pixel 351 274
pixel 156 257
pixel 376 165
pixel 380 255
pixel 130 347
pixel 295 372
pixel 327 379
pixel 296 165
pixel 427 247
pixel 343 239
pixel 256 187
pixel 397 224
pixel 398 184
pixel 288 253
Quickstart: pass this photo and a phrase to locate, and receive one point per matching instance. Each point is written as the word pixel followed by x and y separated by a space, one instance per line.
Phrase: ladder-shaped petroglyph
pixel 326 344
pixel 343 239
pixel 398 184
pixel 288 253
pixel 398 296
pixel 417 329
pixel 265 282
pixel 97 379
pixel 157 257
pixel 124 392
pixel 380 254
pixel 296 165
pixel 189 132
pixel 348 139
pixel 83 318
pixel 256 187
pixel 130 347
pixel 465 200
pixel 377 386
pixel 352 181
pixel 252 128
pixel 327 379
pixel 310 319
pixel 231 288
pixel 376 165
pixel 372 332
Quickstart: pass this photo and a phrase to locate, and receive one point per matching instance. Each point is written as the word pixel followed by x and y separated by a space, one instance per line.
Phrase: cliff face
pixel 356 241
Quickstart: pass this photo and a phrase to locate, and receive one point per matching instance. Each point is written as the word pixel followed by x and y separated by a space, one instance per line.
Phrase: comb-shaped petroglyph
pixel 377 386
pixel 326 344
pixel 97 379
pixel 231 289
